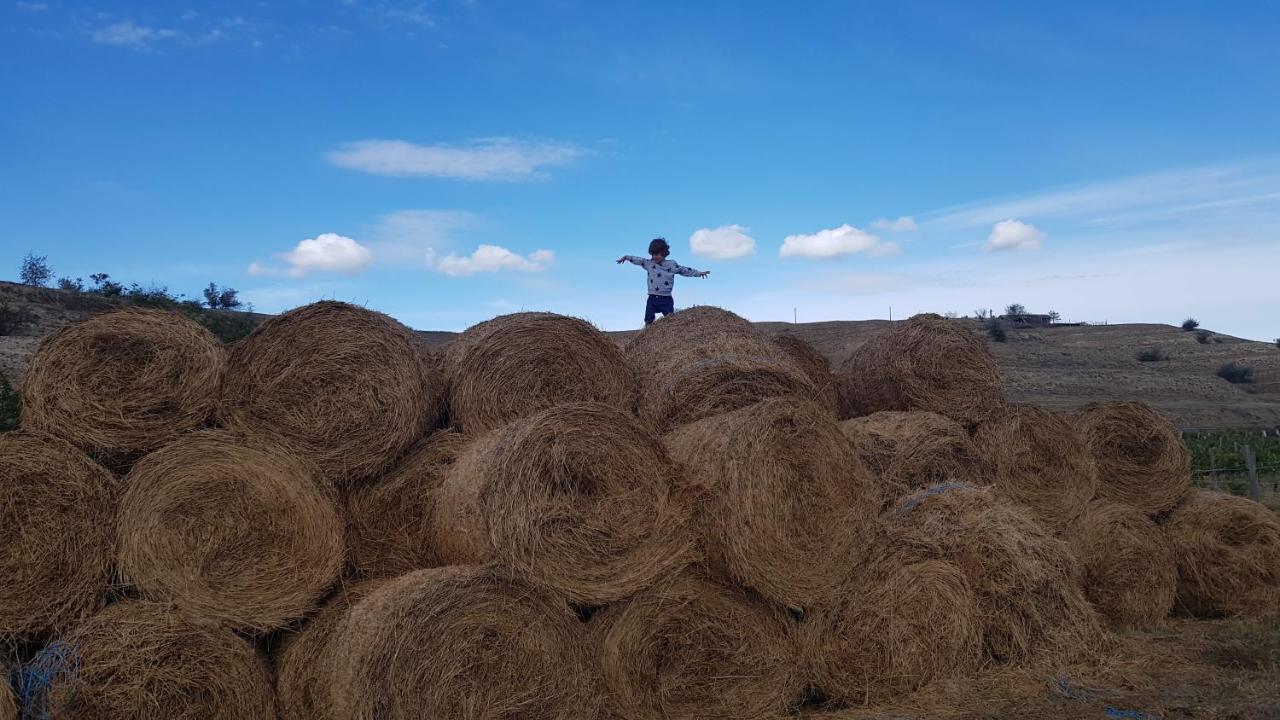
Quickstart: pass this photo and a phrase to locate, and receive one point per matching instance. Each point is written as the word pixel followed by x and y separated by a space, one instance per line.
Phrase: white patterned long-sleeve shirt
pixel 662 276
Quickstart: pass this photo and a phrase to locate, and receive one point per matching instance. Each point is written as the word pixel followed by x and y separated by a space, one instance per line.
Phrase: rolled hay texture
pixel 1228 554
pixel 925 363
pixel 347 388
pixel 231 531
pixel 1027 581
pixel 57 528
pixel 306 657
pixel 1036 458
pixel 689 648
pixel 813 363
pixel 898 627
pixel 1128 566
pixel 8 703
pixel 149 661
pixel 516 365
pixel 787 505
pixel 910 451
pixel 1140 459
pixel 125 382
pixel 465 643
pixel 705 361
pixel 580 497
pixel 390 522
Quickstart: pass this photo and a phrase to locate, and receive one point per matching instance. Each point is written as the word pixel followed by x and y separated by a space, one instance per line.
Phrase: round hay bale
pixel 1027 581
pixel 581 498
pixel 910 451
pixel 926 363
pixel 1129 572
pixel 57 527
pixel 516 365
pixel 348 388
pixel 813 363
pixel 688 648
pixel 389 522
pixel 898 627
pixel 787 502
pixel 148 661
pixel 464 643
pixel 1228 554
pixel 1140 459
pixel 705 361
pixel 1034 457
pixel 125 382
pixel 228 530
pixel 8 703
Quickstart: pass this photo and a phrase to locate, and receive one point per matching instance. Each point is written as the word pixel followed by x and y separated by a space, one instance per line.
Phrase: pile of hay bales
pixel 541 525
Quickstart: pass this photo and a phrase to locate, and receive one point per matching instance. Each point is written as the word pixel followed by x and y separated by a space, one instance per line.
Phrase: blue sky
pixel 448 161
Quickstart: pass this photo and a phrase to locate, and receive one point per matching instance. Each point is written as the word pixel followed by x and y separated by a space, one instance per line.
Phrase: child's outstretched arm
pixel 690 272
pixel 631 259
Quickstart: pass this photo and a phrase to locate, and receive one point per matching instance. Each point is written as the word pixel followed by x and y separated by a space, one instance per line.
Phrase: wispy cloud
pixel 418 236
pixel 494 258
pixel 31 6
pixel 131 35
pixel 727 242
pixel 835 242
pixel 501 158
pixel 905 223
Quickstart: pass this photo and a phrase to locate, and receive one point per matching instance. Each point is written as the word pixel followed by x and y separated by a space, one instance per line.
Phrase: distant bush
pixel 68 285
pixel 1203 336
pixel 105 286
pixel 35 270
pixel 14 317
pixel 1278 342
pixel 225 298
pixel 1190 324
pixel 1015 309
pixel 1054 316
pixel 1152 354
pixel 10 406
pixel 996 330
pixel 1234 372
pixel 227 326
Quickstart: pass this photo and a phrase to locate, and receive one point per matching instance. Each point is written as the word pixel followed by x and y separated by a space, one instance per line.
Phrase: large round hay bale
pixel 389 522
pixel 229 530
pixel 465 643
pixel 1035 458
pixel 149 661
pixel 516 365
pixel 1228 554
pixel 122 383
pixel 787 503
pixel 581 498
pixel 1129 573
pixel 910 451
pixel 57 526
pixel 1140 459
pixel 925 363
pixel 348 388
pixel 1027 581
pixel 706 361
pixel 689 648
pixel 898 627
pixel 813 363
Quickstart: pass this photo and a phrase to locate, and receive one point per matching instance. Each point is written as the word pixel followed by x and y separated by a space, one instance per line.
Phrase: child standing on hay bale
pixel 662 276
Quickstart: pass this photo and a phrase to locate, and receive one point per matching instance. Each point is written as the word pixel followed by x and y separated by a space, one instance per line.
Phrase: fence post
pixel 1213 467
pixel 1251 463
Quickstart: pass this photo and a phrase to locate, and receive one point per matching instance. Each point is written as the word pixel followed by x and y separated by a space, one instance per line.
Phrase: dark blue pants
pixel 658 304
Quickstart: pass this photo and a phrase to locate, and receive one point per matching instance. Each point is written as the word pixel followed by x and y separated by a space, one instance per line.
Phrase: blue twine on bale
pixel 925 494
pixel 56 660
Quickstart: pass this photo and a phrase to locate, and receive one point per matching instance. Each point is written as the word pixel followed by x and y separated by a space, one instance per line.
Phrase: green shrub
pixel 1234 372
pixel 996 330
pixel 10 406
pixel 1278 342
pixel 227 326
pixel 1151 354
pixel 1190 324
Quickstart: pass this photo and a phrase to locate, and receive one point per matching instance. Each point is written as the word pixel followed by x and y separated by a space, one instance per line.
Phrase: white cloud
pixel 486 159
pixel 328 252
pixel 418 236
pixel 904 223
pixel 492 258
pixel 844 240
pixel 727 242
pixel 127 34
pixel 31 6
pixel 1014 235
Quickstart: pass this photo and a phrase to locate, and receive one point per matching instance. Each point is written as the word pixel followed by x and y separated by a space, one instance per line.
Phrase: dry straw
pixel 1129 571
pixel 910 451
pixel 146 661
pixel 516 365
pixel 1036 458
pixel 897 627
pixel 925 363
pixel 230 531
pixel 580 497
pixel 787 504
pixel 122 383
pixel 389 522
pixel 1027 581
pixel 348 388
pixel 8 703
pixel 706 361
pixel 689 648
pixel 813 363
pixel 1228 554
pixel 56 533
pixel 461 643
pixel 1140 459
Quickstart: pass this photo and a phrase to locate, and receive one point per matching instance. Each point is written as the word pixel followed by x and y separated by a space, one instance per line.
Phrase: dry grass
pixel 122 383
pixel 813 363
pixel 1140 459
pixel 56 534
pixel 1128 564
pixel 910 451
pixel 1228 555
pixel 8 703
pixel 231 531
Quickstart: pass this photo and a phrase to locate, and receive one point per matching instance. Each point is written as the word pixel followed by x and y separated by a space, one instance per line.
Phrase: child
pixel 662 275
